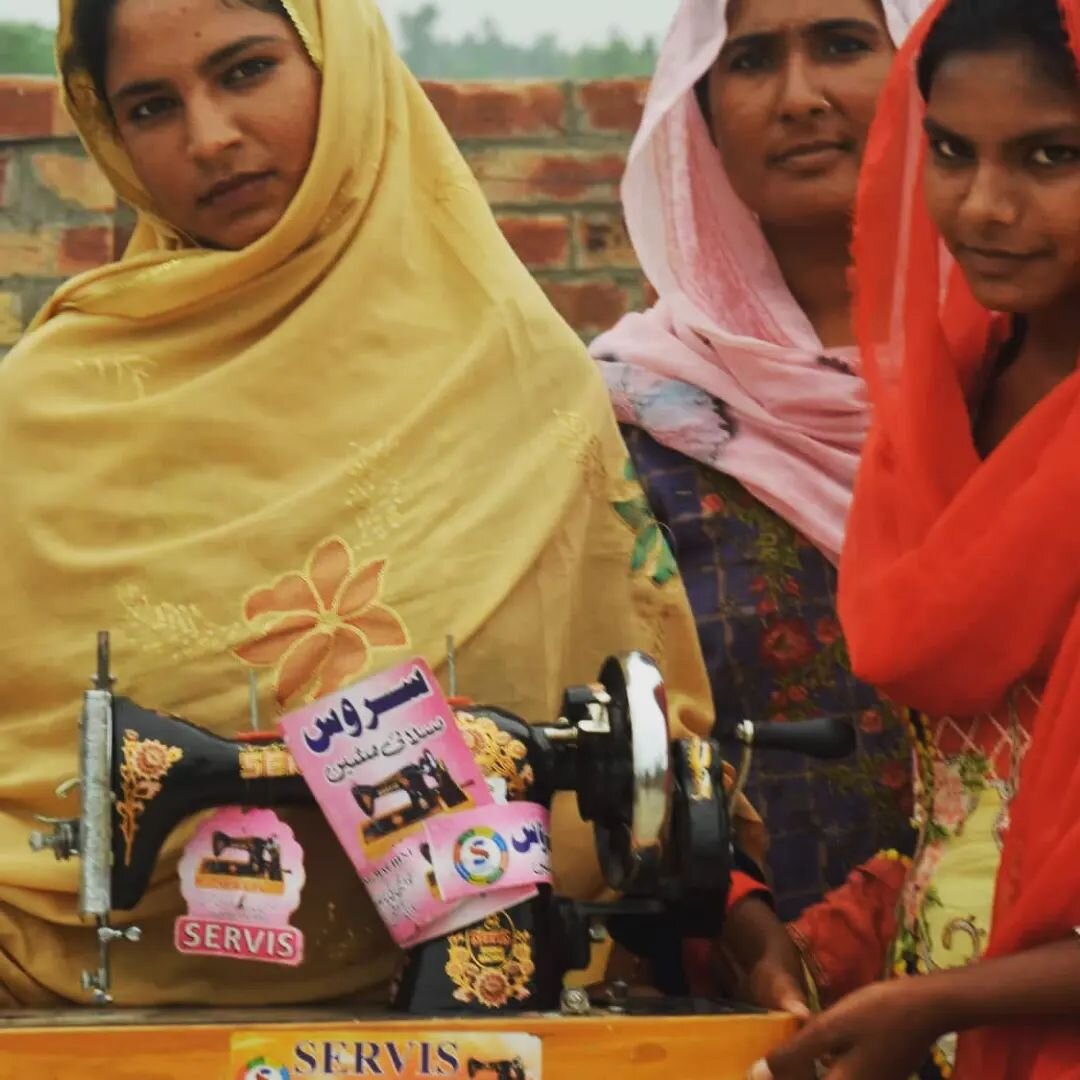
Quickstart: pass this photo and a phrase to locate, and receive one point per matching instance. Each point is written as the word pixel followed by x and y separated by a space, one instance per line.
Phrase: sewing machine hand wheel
pixel 624 772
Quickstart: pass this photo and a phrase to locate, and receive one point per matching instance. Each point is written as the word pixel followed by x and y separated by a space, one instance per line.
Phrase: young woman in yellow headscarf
pixel 317 419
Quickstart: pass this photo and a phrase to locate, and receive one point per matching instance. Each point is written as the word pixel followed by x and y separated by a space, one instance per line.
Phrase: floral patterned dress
pixel 765 604
pixel 967 774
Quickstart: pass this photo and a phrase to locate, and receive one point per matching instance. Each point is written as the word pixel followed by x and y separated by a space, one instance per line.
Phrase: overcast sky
pixel 574 21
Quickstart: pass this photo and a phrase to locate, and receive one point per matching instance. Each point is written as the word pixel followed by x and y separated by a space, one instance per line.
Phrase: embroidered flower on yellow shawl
pixel 651 552
pixel 327 620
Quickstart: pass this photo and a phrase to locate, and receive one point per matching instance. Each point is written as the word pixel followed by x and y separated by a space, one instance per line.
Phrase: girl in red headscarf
pixel 960 582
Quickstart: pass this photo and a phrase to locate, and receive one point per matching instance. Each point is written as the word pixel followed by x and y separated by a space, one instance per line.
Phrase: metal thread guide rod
pixel 95 822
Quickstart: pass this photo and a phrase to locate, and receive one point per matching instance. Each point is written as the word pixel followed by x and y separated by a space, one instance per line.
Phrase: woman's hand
pixel 884 1032
pixel 770 970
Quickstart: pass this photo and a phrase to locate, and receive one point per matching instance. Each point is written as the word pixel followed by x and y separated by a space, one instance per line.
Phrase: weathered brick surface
pixel 603 242
pixel 84 249
pixel 75 179
pixel 588 305
pixel 27 254
pixel 30 108
pixel 542 241
pixel 549 157
pixel 613 107
pixel 500 110
pixel 27 107
pixel 528 176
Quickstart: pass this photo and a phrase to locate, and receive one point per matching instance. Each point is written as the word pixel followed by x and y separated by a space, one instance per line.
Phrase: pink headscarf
pixel 726 368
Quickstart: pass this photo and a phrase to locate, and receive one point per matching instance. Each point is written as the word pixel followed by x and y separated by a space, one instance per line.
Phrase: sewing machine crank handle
pixel 826 738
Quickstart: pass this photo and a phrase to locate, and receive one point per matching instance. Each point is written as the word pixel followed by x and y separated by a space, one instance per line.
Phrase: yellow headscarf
pixel 313 457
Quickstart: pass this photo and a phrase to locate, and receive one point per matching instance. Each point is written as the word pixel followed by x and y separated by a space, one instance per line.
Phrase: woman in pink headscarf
pixel 745 411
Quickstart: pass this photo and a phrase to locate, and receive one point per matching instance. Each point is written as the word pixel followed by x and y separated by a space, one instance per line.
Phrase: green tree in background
pixel 487 55
pixel 25 49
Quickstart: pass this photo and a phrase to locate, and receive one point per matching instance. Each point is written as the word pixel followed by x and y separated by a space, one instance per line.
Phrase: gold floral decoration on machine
pixel 146 763
pixel 497 752
pixel 491 963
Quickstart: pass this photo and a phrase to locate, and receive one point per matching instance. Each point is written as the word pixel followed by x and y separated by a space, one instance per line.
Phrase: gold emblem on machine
pixel 491 963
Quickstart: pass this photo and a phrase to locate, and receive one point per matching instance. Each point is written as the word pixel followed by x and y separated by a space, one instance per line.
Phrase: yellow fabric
pixel 363 433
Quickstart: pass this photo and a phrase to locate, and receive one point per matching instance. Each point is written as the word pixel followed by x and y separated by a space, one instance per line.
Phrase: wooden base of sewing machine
pixel 201 1045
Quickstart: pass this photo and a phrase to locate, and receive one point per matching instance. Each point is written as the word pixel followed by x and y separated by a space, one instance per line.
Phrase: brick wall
pixel 548 155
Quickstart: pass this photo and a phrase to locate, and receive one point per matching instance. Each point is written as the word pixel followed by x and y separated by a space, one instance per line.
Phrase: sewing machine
pixel 658 809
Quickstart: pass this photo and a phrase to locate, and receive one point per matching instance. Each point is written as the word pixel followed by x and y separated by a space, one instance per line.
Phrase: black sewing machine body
pixel 204 772
pixel 659 811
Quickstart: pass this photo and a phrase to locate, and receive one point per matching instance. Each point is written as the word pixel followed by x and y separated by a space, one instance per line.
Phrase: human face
pixel 1002 177
pixel 217 105
pixel 792 95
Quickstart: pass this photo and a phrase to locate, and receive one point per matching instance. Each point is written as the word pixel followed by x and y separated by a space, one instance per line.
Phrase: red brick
pixel 612 106
pixel 499 110
pixel 27 254
pixel 85 249
pixel 529 177
pixel 588 306
pixel 75 179
pixel 542 243
pixel 28 107
pixel 603 242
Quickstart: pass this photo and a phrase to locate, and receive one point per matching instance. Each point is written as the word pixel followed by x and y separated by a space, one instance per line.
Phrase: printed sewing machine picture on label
pixel 241 876
pixel 394 1055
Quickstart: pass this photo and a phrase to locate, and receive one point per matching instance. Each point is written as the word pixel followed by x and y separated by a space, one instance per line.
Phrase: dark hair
pixel 701 90
pixel 980 26
pixel 90 29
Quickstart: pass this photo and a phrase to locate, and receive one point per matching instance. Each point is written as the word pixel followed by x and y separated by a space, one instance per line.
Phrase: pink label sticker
pixel 492 847
pixel 242 874
pixel 385 761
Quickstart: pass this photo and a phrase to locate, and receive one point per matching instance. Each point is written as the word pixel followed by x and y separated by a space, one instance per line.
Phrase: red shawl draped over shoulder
pixel 961 576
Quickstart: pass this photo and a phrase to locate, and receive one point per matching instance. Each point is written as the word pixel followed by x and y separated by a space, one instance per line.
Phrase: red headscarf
pixel 961 577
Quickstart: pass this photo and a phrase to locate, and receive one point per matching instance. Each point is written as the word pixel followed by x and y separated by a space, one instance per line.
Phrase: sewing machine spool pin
pixel 253 700
pixel 451 666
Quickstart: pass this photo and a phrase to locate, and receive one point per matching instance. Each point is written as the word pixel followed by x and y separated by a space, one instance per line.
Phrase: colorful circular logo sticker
pixel 481 856
pixel 261 1069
